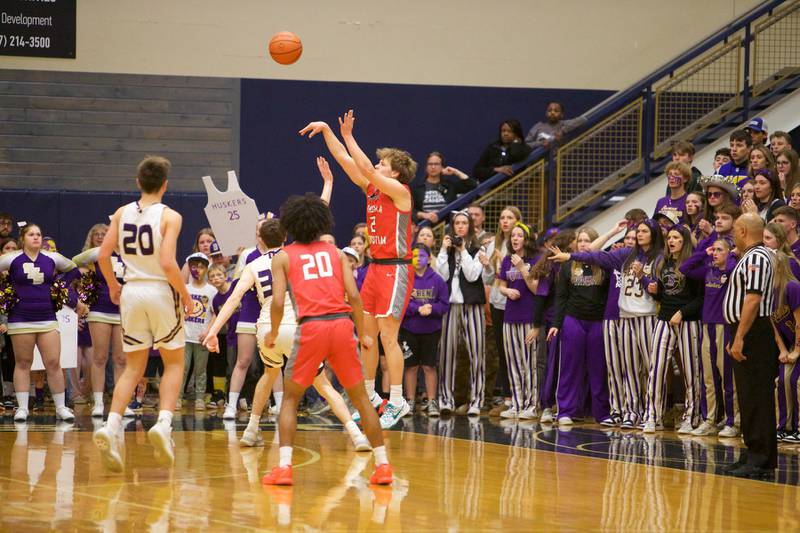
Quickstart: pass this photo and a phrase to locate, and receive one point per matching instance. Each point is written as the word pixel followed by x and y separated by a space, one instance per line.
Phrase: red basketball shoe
pixel 382 475
pixel 281 476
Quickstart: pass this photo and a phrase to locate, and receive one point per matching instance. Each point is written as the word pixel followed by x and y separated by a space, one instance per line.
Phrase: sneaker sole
pixel 110 460
pixel 381 481
pixel 66 418
pixel 162 448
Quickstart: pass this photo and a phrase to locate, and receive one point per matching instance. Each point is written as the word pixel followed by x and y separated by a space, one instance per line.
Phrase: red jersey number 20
pixel 316 266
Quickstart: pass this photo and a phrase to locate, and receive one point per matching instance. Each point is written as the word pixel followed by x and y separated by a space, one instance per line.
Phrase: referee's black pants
pixel 755 387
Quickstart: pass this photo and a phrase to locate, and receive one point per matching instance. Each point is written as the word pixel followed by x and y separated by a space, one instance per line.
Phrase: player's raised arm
pixel 171 223
pixel 338 151
pixel 398 192
pixel 327 179
pixel 104 257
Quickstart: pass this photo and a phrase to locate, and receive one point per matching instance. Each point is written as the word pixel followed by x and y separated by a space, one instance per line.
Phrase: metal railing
pixel 626 138
pixel 776 50
pixel 526 191
pixel 599 159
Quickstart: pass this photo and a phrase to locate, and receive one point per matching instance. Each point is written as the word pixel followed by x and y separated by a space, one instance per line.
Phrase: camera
pixel 457 241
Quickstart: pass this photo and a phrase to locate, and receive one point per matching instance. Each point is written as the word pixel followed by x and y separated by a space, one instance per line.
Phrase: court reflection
pixel 452 473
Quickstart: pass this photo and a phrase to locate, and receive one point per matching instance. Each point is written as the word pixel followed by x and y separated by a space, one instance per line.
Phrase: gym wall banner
pixel 37 28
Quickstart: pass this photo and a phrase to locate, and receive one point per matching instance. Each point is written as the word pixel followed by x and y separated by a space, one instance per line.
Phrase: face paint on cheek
pixel 420 259
pixel 194 272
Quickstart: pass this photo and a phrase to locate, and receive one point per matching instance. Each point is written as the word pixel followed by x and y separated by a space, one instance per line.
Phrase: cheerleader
pixel 103 318
pixel 677 329
pixel 458 263
pixel 519 335
pixel 786 321
pixel 32 321
pixel 637 310
pixel 713 266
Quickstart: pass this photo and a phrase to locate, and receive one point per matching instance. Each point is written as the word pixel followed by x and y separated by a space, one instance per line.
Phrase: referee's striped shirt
pixel 752 275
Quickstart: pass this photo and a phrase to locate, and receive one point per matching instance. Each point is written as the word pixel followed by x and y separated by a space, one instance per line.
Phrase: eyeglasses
pixel 715 194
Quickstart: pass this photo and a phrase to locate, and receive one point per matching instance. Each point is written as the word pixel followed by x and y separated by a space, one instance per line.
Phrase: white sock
pixel 285 456
pixel 98 398
pixel 396 395
pixel 22 400
pixel 114 422
pixel 278 400
pixel 233 397
pixel 380 455
pixel 165 417
pixel 369 384
pixel 352 429
pixel 253 423
pixel 59 400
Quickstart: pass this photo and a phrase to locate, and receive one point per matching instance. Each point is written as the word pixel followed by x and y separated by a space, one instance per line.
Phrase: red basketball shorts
pixel 316 341
pixel 387 289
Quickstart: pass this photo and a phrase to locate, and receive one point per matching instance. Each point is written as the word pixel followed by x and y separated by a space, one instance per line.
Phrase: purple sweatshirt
pixel 519 311
pixel 429 288
pixel 700 267
pixel 783 318
pixel 677 206
pixel 217 303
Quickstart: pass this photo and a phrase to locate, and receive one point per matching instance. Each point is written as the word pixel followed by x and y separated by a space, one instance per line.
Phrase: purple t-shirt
pixel 519 311
pixel 677 206
pixel 784 317
pixel 216 304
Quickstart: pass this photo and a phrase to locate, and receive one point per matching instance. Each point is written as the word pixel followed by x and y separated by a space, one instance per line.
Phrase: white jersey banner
pixel 232 215
pixel 68 328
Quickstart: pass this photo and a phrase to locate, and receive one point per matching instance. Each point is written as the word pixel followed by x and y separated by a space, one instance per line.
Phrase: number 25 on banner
pixel 231 214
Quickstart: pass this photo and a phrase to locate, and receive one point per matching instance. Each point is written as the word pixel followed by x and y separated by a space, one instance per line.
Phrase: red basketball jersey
pixel 388 228
pixel 316 281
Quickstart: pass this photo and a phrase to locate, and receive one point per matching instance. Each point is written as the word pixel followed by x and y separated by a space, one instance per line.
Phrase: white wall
pixel 579 44
pixel 781 116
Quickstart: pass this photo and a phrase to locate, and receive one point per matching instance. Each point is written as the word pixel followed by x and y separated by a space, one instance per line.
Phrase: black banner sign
pixel 37 28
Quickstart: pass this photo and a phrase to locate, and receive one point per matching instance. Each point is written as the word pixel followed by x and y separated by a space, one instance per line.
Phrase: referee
pixel 748 305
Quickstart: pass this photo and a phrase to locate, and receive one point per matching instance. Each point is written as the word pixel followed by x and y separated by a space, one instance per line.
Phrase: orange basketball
pixel 285 47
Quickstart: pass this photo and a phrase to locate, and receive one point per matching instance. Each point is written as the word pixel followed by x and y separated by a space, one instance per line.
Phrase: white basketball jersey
pixel 261 269
pixel 140 242
pixel 634 300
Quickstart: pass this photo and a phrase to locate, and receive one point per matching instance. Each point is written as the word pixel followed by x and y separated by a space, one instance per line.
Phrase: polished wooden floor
pixel 450 475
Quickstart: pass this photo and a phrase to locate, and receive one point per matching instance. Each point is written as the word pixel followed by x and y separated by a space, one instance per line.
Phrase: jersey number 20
pixel 141 235
pixel 316 266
